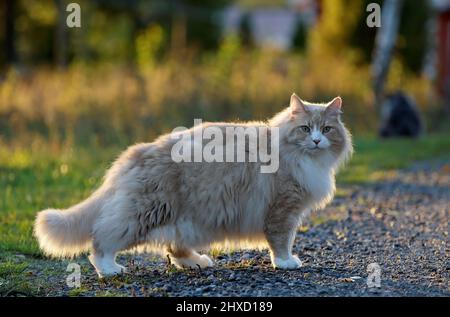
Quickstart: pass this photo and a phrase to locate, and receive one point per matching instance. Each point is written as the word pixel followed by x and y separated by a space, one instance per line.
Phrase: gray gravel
pixel 401 223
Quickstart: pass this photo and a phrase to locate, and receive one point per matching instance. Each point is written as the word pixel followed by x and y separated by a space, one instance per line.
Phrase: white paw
pixel 111 271
pixel 106 266
pixel 194 261
pixel 293 262
pixel 206 261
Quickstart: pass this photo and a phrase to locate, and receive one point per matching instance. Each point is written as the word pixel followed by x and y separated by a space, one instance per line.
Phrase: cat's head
pixel 316 129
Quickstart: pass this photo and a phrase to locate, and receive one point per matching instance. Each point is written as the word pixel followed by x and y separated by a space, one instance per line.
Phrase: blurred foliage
pixel 412 37
pixel 148 44
pixel 413 30
pixel 260 3
pixel 139 68
pixel 337 23
pixel 109 28
pixel 118 104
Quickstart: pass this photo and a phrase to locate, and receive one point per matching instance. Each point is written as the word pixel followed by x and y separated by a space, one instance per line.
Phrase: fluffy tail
pixel 66 233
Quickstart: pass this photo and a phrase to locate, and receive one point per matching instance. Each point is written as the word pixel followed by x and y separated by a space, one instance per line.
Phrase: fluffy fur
pixel 149 201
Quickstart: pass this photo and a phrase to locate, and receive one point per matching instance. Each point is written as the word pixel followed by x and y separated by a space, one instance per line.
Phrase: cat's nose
pixel 317 141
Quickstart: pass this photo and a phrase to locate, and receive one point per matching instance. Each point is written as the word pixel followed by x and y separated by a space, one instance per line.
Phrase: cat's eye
pixel 305 128
pixel 326 129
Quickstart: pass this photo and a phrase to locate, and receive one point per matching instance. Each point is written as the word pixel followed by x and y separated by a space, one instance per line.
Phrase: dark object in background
pixel 400 117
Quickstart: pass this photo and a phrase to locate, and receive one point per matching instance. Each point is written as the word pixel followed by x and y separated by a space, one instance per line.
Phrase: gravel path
pixel 401 223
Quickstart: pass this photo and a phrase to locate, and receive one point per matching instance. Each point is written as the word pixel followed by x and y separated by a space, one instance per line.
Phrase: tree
pixel 245 31
pixel 384 45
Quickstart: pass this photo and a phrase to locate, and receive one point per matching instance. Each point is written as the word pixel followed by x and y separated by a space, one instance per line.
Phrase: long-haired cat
pixel 149 200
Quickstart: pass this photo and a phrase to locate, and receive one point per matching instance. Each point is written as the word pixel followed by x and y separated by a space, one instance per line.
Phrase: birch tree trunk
pixel 384 45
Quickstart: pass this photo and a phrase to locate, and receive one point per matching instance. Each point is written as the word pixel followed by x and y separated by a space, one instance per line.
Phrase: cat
pixel 148 201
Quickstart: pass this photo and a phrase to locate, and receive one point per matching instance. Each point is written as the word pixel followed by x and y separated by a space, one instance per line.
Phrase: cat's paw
pixel 111 271
pixel 206 261
pixel 106 267
pixel 194 261
pixel 293 262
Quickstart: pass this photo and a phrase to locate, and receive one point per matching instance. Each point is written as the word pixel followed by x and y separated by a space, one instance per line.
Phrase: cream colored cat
pixel 149 200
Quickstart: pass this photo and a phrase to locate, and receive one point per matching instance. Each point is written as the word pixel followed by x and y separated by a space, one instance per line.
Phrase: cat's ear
pixel 335 106
pixel 296 105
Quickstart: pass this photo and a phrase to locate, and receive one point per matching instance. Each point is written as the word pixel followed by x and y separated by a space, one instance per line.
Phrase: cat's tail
pixel 66 233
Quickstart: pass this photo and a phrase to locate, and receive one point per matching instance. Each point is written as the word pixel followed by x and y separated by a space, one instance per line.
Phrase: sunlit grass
pixel 374 158
pixel 31 181
pixel 115 104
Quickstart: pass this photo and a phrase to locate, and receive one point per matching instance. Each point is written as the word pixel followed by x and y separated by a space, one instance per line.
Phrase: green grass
pixel 35 180
pixel 32 180
pixel 374 157
pixel 13 279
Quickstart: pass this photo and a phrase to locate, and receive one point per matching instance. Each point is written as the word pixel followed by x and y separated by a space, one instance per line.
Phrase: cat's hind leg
pixel 187 258
pixel 112 233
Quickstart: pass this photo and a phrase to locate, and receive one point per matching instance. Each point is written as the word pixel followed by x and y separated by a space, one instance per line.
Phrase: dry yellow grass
pixel 119 104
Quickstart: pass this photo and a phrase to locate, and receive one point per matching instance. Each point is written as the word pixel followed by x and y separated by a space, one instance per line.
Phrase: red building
pixel 443 8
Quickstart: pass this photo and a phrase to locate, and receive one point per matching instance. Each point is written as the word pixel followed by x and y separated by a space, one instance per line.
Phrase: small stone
pixel 245 256
pixel 346 280
pixel 167 288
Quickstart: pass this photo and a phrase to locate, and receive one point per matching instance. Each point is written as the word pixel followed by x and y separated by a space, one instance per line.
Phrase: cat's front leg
pixel 280 229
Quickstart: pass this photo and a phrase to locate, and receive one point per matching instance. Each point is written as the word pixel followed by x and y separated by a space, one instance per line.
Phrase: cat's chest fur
pixel 316 177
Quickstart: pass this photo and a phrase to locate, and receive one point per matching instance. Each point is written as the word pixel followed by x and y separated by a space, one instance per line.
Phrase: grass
pixel 31 180
pixel 40 177
pixel 12 278
pixel 374 157
pixel 117 103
